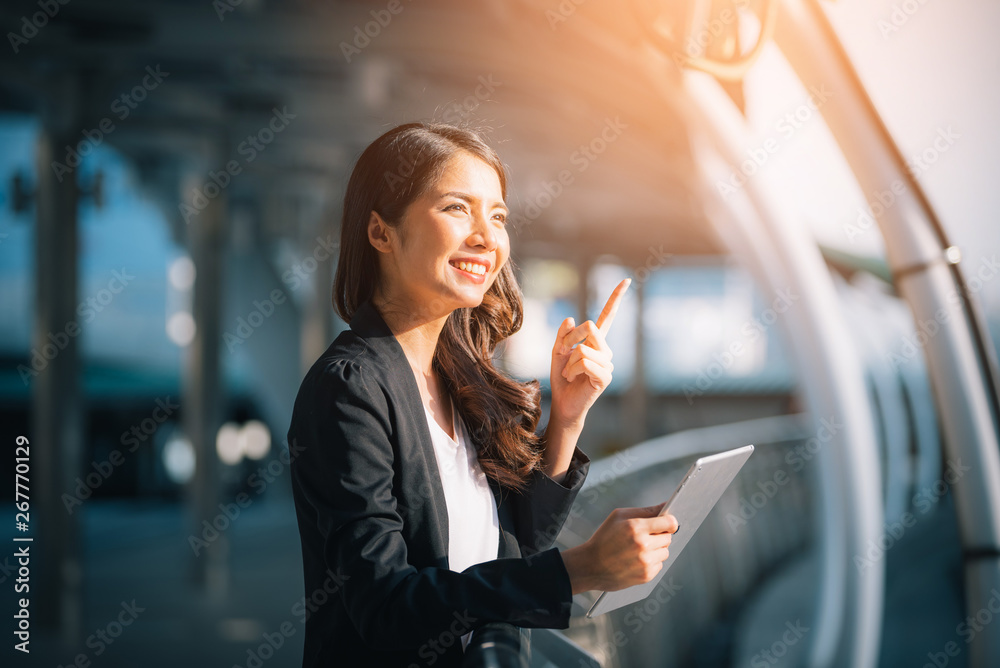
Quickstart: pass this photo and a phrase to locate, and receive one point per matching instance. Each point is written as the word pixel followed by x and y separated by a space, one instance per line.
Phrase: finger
pixel 586 331
pixel 594 341
pixel 602 357
pixel 642 511
pixel 663 524
pixel 573 370
pixel 598 375
pixel 660 555
pixel 611 308
pixel 659 541
pixel 566 327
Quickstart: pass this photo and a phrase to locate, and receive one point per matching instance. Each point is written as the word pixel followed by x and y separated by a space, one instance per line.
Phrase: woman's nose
pixel 483 232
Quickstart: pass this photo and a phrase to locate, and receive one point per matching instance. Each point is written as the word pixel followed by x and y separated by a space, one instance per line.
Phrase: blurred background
pixel 800 190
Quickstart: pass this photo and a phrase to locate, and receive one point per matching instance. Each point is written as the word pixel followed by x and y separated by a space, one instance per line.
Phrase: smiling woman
pixel 404 242
pixel 426 503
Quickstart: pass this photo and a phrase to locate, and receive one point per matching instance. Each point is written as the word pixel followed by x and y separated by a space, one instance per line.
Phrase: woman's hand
pixel 629 548
pixel 579 375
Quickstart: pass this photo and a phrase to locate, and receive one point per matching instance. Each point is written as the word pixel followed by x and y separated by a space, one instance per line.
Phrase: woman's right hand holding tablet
pixel 629 548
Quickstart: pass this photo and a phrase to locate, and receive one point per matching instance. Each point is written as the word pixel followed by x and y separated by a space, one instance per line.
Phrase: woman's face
pixel 452 242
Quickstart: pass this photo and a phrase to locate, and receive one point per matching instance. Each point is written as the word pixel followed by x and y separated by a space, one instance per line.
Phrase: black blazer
pixel 374 525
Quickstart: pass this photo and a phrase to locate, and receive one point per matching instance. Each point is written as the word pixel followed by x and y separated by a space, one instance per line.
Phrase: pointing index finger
pixel 611 308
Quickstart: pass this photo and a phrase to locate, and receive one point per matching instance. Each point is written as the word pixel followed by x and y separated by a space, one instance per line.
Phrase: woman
pixel 427 505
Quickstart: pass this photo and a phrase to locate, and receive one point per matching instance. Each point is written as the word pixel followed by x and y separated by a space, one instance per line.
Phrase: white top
pixel 473 524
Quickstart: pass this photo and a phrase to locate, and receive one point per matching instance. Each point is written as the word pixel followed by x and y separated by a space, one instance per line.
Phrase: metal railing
pixel 498 645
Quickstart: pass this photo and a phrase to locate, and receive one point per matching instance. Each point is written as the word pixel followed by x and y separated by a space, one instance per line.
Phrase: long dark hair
pixel 501 413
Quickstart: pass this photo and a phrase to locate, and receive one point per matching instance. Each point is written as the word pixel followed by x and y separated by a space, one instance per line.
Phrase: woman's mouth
pixel 474 271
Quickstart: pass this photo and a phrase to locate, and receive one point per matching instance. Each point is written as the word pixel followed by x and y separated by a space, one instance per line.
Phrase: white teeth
pixel 472 268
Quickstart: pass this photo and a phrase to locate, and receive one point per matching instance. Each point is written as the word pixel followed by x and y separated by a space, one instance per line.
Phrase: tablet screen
pixel 699 491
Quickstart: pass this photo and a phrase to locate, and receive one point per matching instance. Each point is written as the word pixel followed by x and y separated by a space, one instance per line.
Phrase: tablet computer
pixel 699 491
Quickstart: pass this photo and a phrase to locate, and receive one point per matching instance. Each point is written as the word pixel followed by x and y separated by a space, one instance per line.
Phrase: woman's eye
pixel 458 206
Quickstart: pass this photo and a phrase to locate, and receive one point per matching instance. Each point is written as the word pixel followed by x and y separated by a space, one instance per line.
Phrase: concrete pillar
pixel 57 414
pixel 317 308
pixel 584 263
pixel 635 411
pixel 202 390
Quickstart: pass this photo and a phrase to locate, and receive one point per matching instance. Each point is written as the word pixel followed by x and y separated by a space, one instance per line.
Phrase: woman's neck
pixel 416 333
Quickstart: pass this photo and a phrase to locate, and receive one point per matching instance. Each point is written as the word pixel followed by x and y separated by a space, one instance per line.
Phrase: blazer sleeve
pixel 541 510
pixel 344 474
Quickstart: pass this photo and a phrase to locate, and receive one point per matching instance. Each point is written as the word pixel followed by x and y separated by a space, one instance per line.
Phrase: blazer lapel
pixel 371 327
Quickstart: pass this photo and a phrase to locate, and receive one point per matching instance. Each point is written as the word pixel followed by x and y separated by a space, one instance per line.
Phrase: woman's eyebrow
pixel 471 199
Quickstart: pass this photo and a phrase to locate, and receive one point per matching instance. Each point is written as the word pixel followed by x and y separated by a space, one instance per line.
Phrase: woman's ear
pixel 379 233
